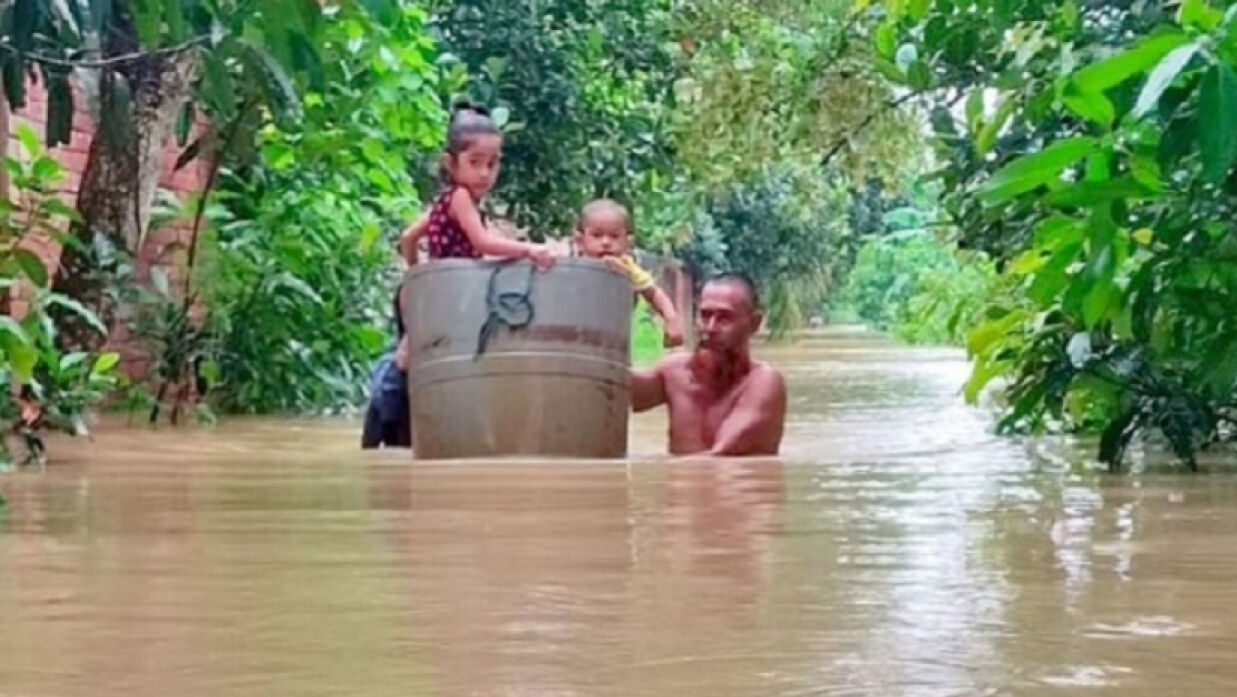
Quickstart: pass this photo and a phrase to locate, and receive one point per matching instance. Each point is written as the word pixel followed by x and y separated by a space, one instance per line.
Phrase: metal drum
pixel 505 360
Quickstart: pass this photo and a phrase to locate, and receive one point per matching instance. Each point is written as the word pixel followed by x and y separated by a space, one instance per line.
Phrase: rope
pixel 511 308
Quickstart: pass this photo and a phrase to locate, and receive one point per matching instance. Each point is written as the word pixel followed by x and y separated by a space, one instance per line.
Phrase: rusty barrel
pixel 505 360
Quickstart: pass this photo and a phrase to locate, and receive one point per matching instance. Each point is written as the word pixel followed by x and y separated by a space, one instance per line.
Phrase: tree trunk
pixel 139 103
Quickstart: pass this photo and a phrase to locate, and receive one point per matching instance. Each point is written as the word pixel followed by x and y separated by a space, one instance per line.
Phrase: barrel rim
pixel 447 265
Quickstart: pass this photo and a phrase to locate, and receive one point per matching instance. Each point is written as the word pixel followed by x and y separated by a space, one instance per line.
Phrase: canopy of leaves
pixel 1094 155
pixel 581 88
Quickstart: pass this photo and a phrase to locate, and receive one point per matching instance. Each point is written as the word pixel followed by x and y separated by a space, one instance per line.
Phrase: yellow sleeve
pixel 640 279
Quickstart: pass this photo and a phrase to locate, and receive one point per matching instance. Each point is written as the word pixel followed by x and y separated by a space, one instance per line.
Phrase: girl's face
pixel 476 167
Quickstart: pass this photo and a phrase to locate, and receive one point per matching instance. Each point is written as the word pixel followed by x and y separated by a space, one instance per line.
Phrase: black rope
pixel 511 308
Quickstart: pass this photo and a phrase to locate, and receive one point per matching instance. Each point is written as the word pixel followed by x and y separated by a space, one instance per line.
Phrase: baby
pixel 604 232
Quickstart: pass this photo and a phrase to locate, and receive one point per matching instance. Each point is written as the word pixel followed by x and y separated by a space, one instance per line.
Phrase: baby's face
pixel 603 234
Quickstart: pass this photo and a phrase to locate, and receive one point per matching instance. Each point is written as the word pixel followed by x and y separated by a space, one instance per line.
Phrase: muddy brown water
pixel 896 549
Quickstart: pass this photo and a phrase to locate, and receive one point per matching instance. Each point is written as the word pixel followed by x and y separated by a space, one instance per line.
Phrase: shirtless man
pixel 721 402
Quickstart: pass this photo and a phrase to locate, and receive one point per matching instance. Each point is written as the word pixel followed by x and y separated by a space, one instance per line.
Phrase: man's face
pixel 726 320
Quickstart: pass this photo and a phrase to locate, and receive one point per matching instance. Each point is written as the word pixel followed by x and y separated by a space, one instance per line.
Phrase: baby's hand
pixel 541 257
pixel 615 264
pixel 673 337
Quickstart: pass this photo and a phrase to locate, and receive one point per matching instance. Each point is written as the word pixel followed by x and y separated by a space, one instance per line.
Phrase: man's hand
pixel 757 419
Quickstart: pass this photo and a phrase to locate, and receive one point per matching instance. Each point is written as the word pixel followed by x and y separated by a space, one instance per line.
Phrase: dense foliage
pixel 581 88
pixel 1093 157
pixel 65 383
pixel 299 272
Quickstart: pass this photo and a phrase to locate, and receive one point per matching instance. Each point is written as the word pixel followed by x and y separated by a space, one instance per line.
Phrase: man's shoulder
pixel 676 361
pixel 765 379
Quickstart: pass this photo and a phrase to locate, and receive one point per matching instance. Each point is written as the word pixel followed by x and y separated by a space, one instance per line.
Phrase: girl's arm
pixel 664 307
pixel 411 235
pixel 464 211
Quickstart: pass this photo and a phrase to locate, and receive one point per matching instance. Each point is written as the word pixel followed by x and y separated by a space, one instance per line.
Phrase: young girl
pixel 604 232
pixel 454 225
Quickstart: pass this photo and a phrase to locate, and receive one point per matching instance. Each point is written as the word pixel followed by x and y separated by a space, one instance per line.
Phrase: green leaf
pixel 1030 171
pixel 1116 69
pixel 895 8
pixel 1103 291
pixel 79 309
pixel 982 374
pixel 29 140
pixel 1092 193
pixel 1200 15
pixel 23 358
pixel 1092 106
pixel 974 108
pixel 1217 128
pixel 105 363
pixel 886 67
pixel 190 153
pixel 174 15
pixel 18 347
pixel 1165 72
pixel 184 123
pixel 920 75
pixel 146 16
pixel 1051 279
pixel 12 328
pixel 886 39
pixel 31 265
pixel 988 134
pixel 1146 171
pixel 217 88
pixel 298 286
pixel 71 360
pixel 986 335
pixel 281 95
pixel 1058 230
pixel 1028 262
pixel 1099 166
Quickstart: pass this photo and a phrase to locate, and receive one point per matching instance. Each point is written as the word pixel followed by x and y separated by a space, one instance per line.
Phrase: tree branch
pixel 112 62
pixel 867 121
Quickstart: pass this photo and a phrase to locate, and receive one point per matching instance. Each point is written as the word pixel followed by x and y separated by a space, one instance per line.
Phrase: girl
pixel 454 225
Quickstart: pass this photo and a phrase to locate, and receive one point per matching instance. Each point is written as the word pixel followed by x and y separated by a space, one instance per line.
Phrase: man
pixel 721 402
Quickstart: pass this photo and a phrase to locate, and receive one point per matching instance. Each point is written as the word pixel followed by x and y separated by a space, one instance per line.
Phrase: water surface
pixel 896 549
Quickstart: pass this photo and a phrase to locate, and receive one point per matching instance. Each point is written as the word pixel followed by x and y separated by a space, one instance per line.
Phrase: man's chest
pixel 698 411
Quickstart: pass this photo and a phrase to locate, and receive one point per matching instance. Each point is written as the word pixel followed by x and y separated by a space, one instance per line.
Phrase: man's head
pixel 727 318
pixel 729 313
pixel 604 229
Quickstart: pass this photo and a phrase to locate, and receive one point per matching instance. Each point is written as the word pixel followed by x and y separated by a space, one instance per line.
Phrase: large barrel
pixel 508 361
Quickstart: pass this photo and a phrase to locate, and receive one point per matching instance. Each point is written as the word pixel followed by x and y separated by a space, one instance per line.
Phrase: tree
pixel 581 88
pixel 147 66
pixel 1094 156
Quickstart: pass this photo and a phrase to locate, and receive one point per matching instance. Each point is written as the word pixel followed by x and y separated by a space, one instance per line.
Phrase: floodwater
pixel 896 549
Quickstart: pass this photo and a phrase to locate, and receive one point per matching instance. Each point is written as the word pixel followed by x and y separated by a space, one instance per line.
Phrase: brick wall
pixel 162 248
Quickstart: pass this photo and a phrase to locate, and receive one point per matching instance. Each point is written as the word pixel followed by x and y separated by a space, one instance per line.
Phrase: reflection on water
pixel 896 549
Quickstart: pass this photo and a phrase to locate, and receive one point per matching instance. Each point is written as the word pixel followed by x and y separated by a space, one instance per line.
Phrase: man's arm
pixel 648 388
pixel 756 420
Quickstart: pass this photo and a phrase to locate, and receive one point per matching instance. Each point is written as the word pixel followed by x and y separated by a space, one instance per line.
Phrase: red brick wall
pixel 162 247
